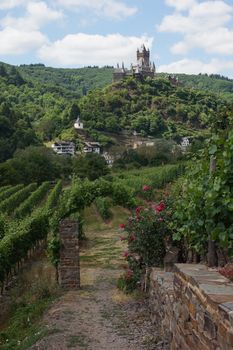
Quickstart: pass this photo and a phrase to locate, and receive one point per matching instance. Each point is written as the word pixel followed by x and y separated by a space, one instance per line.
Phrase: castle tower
pixel 143 57
pixel 143 68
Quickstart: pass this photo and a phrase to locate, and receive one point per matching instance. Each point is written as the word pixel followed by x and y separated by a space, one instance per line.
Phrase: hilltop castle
pixel 144 68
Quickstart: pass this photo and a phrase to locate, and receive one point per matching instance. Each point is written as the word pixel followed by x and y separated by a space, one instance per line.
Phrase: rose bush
pixel 146 233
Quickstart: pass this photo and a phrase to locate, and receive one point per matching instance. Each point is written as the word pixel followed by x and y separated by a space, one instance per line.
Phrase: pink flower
pixel 132 238
pixel 146 188
pixel 129 274
pixel 160 207
pixel 161 219
pixel 138 210
pixel 123 238
pixel 122 226
pixel 126 255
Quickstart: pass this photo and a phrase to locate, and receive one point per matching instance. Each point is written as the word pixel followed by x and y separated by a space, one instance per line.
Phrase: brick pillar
pixel 69 266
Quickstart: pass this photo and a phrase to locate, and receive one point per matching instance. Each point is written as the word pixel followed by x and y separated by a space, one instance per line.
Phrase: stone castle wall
pixel 194 307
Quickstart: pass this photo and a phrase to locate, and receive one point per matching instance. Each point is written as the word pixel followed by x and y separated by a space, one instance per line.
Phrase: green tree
pixel 91 166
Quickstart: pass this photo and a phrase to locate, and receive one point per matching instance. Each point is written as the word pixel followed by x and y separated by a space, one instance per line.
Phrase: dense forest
pixel 39 104
pixel 152 107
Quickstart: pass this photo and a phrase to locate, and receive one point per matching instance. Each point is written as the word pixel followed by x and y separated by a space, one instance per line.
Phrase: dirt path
pixel 99 317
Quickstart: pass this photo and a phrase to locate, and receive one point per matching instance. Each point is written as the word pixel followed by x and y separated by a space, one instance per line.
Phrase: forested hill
pixel 152 107
pixel 213 82
pixel 76 82
pixel 38 104
pixel 82 80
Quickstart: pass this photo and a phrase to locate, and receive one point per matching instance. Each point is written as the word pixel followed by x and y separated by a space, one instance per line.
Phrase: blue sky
pixel 190 36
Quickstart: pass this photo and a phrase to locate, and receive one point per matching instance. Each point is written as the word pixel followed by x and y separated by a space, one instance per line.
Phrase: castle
pixel 144 68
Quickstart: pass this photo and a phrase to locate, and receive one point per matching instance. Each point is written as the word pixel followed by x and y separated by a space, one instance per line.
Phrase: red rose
pixel 160 207
pixel 146 188
pixel 126 255
pixel 132 238
pixel 138 210
pixel 123 238
pixel 122 226
pixel 129 274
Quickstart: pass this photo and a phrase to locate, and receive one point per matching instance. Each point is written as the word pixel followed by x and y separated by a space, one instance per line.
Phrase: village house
pixel 64 148
pixel 78 124
pixel 184 143
pixel 92 147
pixel 108 158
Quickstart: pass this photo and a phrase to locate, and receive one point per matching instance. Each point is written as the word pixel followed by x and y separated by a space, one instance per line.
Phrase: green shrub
pixel 9 191
pixel 29 204
pixel 9 204
pixel 103 207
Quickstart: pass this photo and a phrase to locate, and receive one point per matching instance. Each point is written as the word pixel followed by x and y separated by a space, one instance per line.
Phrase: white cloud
pixel 181 5
pixel 114 9
pixel 20 35
pixel 37 14
pixel 17 42
pixel 83 49
pixel 9 4
pixel 205 27
pixel 190 66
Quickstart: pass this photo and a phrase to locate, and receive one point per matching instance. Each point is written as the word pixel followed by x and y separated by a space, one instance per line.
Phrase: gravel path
pixel 99 316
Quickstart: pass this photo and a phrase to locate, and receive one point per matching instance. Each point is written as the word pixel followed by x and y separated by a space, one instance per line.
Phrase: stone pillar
pixel 69 265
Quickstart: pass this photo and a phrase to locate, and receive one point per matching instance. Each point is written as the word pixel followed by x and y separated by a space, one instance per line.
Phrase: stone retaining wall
pixel 194 307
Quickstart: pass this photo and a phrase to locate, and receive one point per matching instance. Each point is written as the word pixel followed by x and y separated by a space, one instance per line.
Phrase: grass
pixel 93 221
pixel 32 297
pixel 80 340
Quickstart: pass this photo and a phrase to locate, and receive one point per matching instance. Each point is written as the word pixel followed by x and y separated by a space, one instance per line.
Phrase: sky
pixel 184 36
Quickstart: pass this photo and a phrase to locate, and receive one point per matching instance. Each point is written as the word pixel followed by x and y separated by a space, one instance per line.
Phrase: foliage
pixel 73 82
pixel 24 328
pixel 4 188
pixel 103 207
pixel 53 196
pixel 123 195
pixel 162 152
pixel 9 191
pixel 151 107
pixel 20 239
pixel 91 166
pixel 39 103
pixel 34 164
pixel 26 207
pixel 155 177
pixel 2 226
pixel 204 208
pixel 146 233
pixel 213 82
pixel 9 204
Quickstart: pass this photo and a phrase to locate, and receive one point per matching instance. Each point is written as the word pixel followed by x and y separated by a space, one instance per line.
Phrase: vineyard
pixel 28 214
pixel 24 222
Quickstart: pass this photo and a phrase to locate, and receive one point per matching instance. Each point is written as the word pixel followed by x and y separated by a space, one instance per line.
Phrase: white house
pixel 109 158
pixel 185 143
pixel 78 124
pixel 64 148
pixel 91 147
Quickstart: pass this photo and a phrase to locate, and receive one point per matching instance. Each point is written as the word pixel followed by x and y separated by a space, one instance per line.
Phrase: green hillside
pixel 152 107
pixel 38 104
pixel 213 82
pixel 76 82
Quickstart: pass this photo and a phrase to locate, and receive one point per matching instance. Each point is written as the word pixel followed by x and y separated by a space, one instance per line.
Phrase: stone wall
pixel 69 265
pixel 194 307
